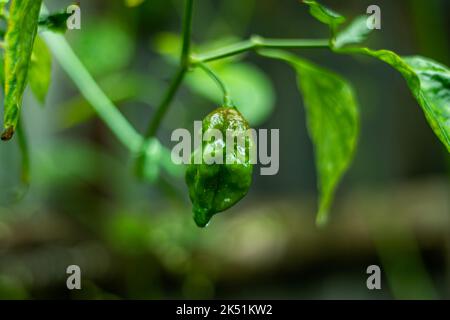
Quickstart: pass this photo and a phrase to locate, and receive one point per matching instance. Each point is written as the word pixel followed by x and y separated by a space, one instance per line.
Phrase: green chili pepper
pixel 19 41
pixel 215 187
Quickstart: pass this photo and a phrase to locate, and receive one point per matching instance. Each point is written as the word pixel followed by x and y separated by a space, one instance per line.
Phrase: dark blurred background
pixel 133 239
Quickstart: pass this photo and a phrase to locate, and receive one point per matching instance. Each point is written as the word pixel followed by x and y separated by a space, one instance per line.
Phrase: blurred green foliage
pixel 85 207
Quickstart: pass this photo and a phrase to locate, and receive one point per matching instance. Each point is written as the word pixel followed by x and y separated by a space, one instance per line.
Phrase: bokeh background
pixel 136 239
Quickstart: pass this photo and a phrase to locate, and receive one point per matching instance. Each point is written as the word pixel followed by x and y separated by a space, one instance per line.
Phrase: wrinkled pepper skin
pixel 216 187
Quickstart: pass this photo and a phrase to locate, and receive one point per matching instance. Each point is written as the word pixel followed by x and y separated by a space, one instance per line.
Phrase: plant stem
pixel 175 84
pixel 226 94
pixel 187 31
pixel 257 42
pixel 186 61
pixel 107 111
pixel 165 103
pixel 253 43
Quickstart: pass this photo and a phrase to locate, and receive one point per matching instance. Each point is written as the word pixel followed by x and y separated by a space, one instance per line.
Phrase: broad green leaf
pixel 332 120
pixel 429 83
pixel 40 70
pixel 354 33
pixel 428 80
pixel 251 90
pixel 19 40
pixel 325 15
pixel 433 94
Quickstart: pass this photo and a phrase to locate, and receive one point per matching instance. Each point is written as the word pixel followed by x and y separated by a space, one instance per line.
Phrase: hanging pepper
pixel 215 187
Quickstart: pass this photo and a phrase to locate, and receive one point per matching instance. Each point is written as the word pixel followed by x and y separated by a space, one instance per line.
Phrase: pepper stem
pixel 227 101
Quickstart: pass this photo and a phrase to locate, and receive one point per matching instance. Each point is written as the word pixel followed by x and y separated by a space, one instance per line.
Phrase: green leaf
pixel 429 83
pixel 56 22
pixel 333 123
pixel 19 40
pixel 356 32
pixel 325 15
pixel 250 89
pixel 40 70
pixel 428 80
pixel 433 94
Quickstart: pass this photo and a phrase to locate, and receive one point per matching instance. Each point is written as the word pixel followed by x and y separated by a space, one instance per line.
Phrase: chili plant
pixel 329 99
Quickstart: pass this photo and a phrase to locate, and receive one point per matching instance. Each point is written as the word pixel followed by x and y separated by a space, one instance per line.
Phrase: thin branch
pixel 165 103
pixel 187 31
pixel 107 111
pixel 257 42
pixel 226 93
pixel 176 81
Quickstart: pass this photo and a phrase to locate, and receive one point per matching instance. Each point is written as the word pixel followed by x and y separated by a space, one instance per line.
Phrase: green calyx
pixel 215 187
